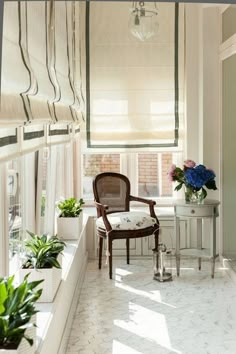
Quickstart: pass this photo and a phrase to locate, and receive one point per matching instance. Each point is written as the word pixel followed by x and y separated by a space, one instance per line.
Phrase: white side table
pixel 208 209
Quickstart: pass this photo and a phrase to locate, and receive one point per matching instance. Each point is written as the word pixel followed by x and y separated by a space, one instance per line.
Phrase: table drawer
pixel 195 211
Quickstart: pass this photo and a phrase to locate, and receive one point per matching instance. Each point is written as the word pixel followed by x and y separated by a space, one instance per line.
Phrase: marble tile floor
pixel 134 314
pixel 232 263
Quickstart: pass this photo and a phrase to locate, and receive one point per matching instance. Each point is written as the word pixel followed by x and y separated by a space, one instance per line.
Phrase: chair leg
pixel 156 238
pixel 110 256
pixel 127 250
pixel 100 253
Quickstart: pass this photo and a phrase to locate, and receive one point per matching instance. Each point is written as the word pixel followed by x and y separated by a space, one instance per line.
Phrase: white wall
pixel 202 86
pixel 192 80
pixel 203 101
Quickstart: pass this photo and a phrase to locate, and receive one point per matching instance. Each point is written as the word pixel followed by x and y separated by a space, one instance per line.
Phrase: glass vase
pixel 193 196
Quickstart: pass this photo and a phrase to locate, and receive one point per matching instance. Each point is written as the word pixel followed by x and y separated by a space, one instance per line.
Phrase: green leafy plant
pixel 17 306
pixel 43 251
pixel 70 208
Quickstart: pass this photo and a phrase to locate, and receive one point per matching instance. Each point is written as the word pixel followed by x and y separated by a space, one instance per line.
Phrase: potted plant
pixel 70 220
pixel 17 315
pixel 43 261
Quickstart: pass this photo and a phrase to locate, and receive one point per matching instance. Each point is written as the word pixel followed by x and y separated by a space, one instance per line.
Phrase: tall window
pixel 94 164
pixel 147 172
pixel 15 224
pixel 152 174
pixel 44 167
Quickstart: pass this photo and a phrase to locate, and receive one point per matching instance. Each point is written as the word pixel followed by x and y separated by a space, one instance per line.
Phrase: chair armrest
pixel 142 200
pixel 100 207
pixel 151 204
pixel 101 211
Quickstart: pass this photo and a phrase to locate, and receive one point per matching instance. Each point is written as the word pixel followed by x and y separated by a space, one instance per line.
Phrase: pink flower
pixel 189 163
pixel 171 173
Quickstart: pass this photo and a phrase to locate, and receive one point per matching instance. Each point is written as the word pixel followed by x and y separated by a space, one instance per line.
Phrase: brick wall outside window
pixel 97 163
pixel 167 161
pixel 148 171
pixel 148 174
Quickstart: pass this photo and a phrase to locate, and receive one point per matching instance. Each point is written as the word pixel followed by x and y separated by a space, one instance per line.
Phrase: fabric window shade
pixel 58 134
pixel 37 33
pixel 75 129
pixel 71 43
pixel 15 77
pixel 80 57
pixel 38 70
pixel 33 138
pixel 66 40
pixel 9 143
pixel 63 111
pixel 135 91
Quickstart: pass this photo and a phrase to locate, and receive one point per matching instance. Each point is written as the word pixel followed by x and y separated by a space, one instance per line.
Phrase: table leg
pixel 213 245
pixel 177 246
pixel 199 240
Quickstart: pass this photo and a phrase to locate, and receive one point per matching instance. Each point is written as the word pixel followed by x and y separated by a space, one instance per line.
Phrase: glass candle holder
pixel 162 263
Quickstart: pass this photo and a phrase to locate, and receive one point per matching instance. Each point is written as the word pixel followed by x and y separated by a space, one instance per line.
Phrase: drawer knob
pixel 192 211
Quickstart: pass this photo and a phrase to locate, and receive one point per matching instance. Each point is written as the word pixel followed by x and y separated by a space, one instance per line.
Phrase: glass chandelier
pixel 143 22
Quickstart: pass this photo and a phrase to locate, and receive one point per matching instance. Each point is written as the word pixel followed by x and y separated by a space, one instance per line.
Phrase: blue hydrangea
pixel 198 176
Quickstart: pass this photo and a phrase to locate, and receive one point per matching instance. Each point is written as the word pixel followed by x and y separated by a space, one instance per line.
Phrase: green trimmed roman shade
pixel 41 59
pixel 135 89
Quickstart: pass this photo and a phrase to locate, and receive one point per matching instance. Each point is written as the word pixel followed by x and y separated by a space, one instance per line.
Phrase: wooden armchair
pixel 115 220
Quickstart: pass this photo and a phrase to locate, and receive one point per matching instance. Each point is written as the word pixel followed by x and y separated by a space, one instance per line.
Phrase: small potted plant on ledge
pixel 70 220
pixel 43 261
pixel 18 316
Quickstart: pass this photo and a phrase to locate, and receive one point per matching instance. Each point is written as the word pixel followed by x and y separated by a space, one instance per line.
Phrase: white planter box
pixel 69 228
pixel 52 279
pixel 24 347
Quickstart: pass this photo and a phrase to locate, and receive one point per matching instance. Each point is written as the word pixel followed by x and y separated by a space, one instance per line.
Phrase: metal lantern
pixel 161 258
pixel 143 22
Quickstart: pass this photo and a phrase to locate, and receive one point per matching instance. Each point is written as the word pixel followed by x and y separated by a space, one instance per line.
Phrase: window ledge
pixel 54 319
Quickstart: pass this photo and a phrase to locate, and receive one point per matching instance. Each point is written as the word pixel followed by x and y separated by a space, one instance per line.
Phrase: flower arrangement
pixel 194 177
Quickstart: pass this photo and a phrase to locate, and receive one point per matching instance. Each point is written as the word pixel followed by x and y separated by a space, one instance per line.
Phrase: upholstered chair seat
pixel 127 220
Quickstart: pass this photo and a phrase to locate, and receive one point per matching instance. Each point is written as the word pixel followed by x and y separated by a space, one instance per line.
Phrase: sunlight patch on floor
pixel 118 348
pixel 154 295
pixel 147 324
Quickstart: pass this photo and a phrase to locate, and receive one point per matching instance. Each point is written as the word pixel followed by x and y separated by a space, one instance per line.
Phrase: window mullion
pixel 159 171
pixel 133 172
pixel 4 206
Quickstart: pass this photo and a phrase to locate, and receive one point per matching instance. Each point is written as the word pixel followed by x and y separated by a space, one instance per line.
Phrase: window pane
pixel 167 186
pixel 15 212
pixel 94 164
pixel 152 175
pixel 44 189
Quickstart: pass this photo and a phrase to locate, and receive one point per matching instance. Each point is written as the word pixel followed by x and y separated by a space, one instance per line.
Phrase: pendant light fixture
pixel 143 22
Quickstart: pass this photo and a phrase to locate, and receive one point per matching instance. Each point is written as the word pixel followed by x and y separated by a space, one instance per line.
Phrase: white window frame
pixel 4 237
pixel 129 167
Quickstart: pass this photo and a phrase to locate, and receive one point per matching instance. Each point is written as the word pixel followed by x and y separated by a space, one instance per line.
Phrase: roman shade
pixel 33 137
pixel 9 143
pixel 135 89
pixel 38 64
pixel 58 133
